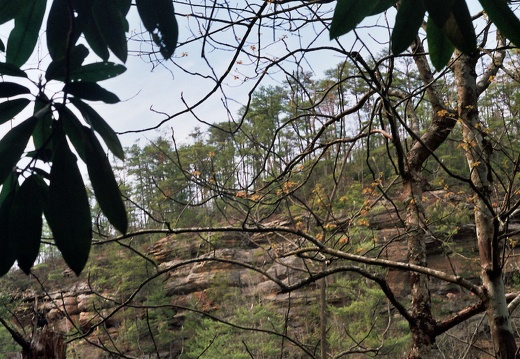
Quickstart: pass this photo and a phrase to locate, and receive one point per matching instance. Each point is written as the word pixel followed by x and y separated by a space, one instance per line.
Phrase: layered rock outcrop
pixel 192 267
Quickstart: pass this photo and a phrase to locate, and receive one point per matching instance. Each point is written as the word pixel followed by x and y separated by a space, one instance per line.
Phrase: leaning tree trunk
pixel 422 325
pixel 478 151
pixel 45 344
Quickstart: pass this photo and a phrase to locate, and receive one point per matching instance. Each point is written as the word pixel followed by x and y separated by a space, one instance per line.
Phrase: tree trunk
pixel 422 326
pixel 478 151
pixel 46 344
pixel 323 318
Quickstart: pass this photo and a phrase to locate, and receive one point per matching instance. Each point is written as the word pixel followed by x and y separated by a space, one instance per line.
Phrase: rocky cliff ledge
pixel 190 270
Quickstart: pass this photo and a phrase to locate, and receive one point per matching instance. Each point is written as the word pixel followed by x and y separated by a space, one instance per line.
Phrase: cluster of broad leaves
pixel 63 125
pixel 448 26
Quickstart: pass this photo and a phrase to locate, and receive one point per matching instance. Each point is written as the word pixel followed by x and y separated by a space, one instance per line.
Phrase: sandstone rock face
pixel 194 268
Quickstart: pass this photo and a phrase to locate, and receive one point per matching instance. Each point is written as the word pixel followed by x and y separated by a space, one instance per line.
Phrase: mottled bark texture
pixel 45 344
pixel 422 325
pixel 478 152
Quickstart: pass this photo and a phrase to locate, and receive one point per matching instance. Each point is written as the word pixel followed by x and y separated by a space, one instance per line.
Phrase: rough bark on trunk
pixel 478 151
pixel 323 318
pixel 422 326
pixel 423 323
pixel 46 344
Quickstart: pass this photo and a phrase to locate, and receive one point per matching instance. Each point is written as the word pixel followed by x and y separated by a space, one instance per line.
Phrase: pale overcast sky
pixel 141 89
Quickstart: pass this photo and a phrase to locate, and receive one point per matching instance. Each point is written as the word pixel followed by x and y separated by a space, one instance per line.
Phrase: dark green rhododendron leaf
pixel 74 130
pixel 159 20
pixel 43 174
pixel 97 72
pixel 9 9
pixel 9 109
pixel 90 91
pixel 24 36
pixel 439 45
pixel 408 20
pixel 503 18
pixel 57 70
pixel 59 27
pixel 68 211
pixel 112 25
pixel 7 256
pixel 382 5
pixel 11 70
pixel 13 144
pixel 88 25
pixel 42 132
pixel 25 222
pixel 348 14
pixel 123 6
pixel 41 154
pixel 9 186
pixel 104 183
pixel 10 89
pixel 438 10
pixel 99 125
pixel 454 20
pixel 459 28
pixel 99 169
